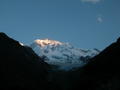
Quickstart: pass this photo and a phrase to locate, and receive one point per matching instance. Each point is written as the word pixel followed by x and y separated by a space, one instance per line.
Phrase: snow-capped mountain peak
pixel 46 42
pixel 62 54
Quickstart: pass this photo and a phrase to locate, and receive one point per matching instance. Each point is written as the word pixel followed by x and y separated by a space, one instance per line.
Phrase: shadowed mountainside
pixel 20 67
pixel 102 73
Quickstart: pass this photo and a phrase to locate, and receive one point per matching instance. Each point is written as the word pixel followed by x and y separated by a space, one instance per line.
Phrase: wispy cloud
pixel 100 19
pixel 91 1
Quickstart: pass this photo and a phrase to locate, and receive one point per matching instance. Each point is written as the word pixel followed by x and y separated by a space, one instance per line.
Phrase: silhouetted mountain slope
pixel 20 67
pixel 102 73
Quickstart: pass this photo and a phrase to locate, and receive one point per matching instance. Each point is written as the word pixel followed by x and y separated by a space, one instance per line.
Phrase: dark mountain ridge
pixel 20 67
pixel 102 72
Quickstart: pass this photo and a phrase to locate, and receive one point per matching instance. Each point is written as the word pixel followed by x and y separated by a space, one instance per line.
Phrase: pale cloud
pixel 99 19
pixel 91 1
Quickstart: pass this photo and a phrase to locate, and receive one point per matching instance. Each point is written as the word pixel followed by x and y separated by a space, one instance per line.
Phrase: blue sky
pixel 83 23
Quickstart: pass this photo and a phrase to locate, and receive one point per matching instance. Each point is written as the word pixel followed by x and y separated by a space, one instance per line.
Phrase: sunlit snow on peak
pixel 62 54
pixel 21 44
pixel 46 42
